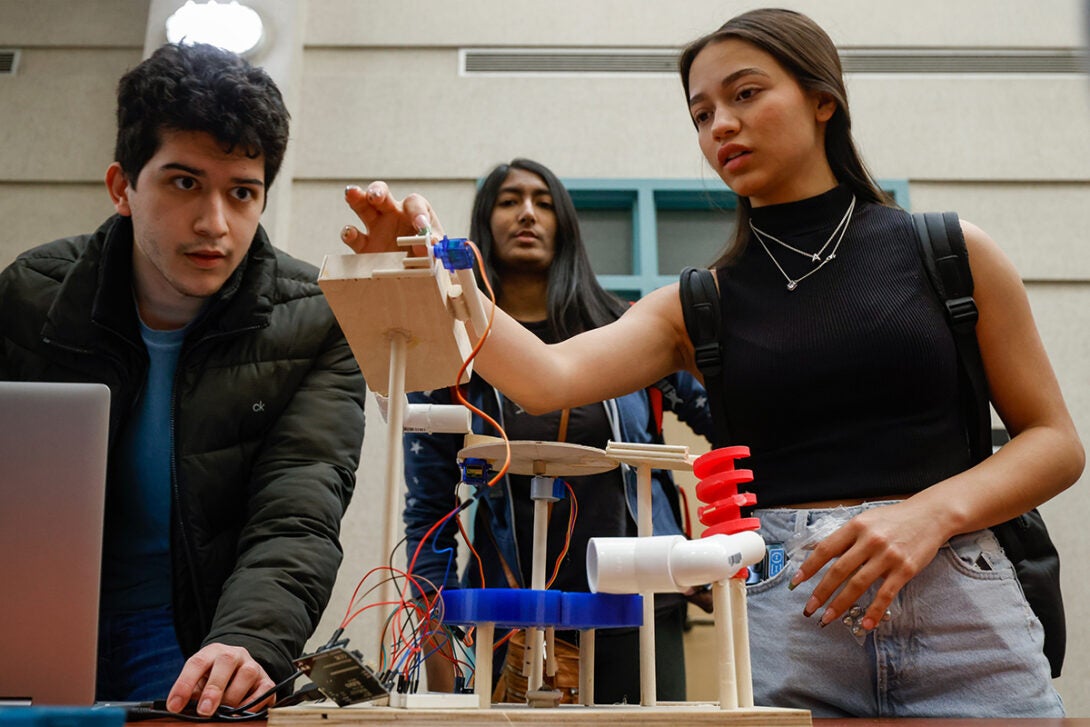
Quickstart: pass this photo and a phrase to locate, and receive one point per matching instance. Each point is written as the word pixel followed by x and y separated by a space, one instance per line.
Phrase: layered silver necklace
pixel 815 257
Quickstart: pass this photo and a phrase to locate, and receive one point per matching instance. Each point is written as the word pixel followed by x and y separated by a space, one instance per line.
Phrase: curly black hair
pixel 199 88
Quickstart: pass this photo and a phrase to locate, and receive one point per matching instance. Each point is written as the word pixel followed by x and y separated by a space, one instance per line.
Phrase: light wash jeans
pixel 961 642
pixel 138 656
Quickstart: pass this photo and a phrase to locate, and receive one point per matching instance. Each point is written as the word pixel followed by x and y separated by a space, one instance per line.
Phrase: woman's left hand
pixel 890 544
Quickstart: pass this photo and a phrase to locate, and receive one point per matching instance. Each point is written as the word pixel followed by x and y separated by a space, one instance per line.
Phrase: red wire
pixel 685 518
pixel 349 615
pixel 469 544
pixel 572 512
pixel 505 639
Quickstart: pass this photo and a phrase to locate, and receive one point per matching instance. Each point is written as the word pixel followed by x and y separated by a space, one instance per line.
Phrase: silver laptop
pixel 53 441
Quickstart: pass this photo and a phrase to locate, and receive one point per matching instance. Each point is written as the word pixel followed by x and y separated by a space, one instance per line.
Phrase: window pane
pixel 608 237
pixel 629 295
pixel 691 237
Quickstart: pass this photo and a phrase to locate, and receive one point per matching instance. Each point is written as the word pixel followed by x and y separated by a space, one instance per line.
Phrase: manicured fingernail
pixel 351 187
pixel 795 580
pixel 827 617
pixel 373 193
pixel 346 233
pixel 422 222
pixel 811 606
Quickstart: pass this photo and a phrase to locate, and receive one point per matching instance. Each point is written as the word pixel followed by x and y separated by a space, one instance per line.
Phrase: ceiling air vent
pixel 565 61
pixel 520 61
pixel 1002 61
pixel 9 61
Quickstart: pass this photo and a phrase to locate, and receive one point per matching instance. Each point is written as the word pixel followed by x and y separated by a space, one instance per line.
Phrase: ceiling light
pixel 230 26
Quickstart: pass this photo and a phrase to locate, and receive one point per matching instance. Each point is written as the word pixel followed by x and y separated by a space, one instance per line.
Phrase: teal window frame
pixel 644 197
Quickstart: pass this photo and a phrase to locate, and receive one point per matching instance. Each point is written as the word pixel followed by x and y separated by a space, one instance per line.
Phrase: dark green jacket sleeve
pixel 301 484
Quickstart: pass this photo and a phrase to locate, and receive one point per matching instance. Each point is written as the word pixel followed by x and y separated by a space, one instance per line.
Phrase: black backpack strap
pixel 700 306
pixel 1025 538
pixel 947 262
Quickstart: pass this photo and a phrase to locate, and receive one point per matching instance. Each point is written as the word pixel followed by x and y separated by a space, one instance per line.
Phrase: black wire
pixel 393 552
pixel 333 639
pixel 262 697
pixel 158 710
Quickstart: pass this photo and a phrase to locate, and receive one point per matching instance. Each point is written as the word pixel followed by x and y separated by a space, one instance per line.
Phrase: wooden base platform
pixel 680 713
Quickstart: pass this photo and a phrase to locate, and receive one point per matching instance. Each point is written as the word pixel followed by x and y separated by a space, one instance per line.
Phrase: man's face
pixel 195 209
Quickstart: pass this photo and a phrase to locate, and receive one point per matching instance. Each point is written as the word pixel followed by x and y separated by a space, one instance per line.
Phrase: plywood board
pixel 377 295
pixel 548 459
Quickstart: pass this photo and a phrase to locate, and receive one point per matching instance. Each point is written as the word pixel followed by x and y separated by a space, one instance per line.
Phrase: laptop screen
pixel 53 442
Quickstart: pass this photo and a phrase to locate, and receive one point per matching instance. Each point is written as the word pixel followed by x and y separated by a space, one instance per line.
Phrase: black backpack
pixel 1024 539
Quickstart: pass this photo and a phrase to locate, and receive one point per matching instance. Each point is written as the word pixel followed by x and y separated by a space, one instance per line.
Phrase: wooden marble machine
pixel 405 319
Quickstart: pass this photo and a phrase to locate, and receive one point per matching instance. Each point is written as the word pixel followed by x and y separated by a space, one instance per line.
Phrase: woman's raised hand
pixel 385 218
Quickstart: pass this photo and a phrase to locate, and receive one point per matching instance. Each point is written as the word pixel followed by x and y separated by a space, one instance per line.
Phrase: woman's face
pixel 523 224
pixel 761 132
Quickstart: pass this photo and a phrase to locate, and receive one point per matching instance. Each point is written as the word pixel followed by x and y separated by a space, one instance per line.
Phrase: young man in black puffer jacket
pixel 236 405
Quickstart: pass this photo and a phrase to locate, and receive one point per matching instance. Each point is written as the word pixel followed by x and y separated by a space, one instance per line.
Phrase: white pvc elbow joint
pixel 668 563
pixel 433 418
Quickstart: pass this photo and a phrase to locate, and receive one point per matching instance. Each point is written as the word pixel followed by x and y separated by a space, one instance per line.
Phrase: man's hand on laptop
pixel 220 674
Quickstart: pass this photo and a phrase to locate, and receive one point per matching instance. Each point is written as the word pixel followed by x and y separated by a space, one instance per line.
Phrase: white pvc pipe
pixel 631 565
pixel 434 418
pixel 668 563
pixel 438 418
pixel 715 558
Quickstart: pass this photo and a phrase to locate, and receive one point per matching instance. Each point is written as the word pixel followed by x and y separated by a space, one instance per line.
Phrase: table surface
pixel 845 722
pixel 950 722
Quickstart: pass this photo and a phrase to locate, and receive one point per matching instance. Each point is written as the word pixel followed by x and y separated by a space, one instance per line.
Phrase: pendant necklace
pixel 793 283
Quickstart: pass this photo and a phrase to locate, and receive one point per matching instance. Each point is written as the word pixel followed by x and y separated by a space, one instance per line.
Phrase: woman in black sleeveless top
pixel 840 375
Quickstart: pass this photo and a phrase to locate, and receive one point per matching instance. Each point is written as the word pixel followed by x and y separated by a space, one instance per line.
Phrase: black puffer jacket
pixel 267 422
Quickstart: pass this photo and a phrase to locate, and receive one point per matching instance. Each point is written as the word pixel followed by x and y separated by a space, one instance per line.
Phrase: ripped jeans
pixel 961 640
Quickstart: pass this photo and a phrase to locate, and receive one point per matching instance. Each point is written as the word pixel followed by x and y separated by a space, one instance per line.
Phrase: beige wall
pixel 375 92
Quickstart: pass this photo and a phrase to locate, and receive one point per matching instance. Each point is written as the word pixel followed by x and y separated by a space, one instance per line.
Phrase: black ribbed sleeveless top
pixel 845 387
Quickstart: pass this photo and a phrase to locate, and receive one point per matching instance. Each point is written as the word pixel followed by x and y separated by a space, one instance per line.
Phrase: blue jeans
pixel 961 642
pixel 138 656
